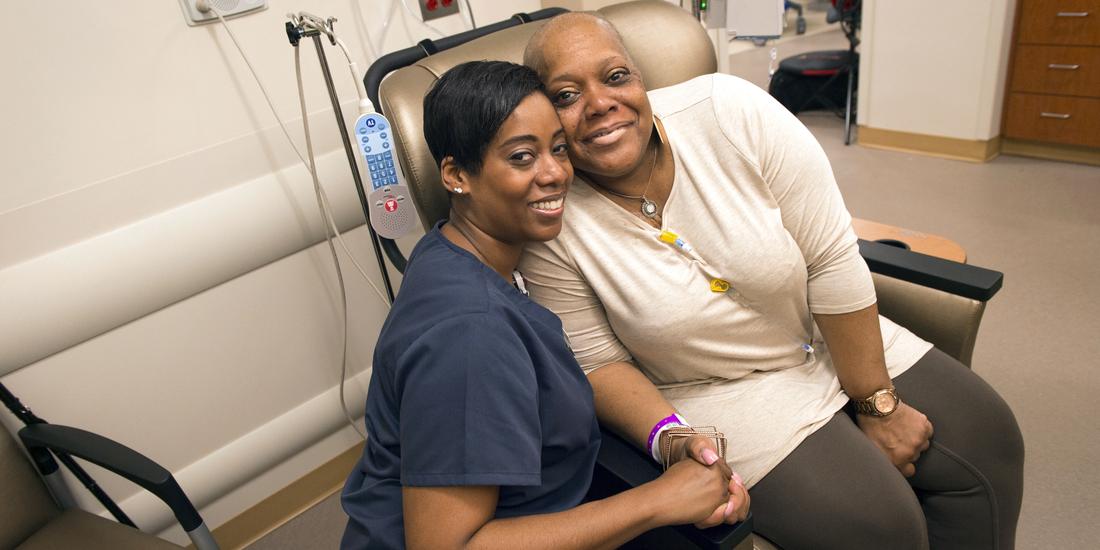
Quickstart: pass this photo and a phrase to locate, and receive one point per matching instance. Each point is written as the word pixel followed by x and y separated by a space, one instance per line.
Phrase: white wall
pixel 936 68
pixel 160 277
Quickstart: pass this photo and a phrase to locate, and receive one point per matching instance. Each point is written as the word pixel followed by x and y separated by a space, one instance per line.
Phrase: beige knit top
pixel 755 205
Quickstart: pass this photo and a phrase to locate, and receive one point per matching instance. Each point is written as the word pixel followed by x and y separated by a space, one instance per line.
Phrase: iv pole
pixel 295 32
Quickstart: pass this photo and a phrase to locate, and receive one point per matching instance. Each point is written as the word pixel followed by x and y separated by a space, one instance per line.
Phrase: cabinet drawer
pixel 1069 22
pixel 1065 70
pixel 1056 119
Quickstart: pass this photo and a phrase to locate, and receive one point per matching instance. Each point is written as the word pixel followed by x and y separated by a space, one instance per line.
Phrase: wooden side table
pixel 932 245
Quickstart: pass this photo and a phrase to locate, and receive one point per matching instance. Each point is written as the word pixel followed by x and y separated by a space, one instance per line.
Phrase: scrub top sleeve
pixel 797 171
pixel 556 284
pixel 469 410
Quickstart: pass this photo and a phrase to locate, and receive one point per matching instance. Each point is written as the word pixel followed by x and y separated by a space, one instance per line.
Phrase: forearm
pixel 607 523
pixel 855 344
pixel 627 402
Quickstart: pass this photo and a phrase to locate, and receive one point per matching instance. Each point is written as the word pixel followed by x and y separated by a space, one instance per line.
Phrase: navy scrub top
pixel 473 384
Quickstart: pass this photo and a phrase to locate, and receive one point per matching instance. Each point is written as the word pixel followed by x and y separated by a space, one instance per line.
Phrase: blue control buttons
pixel 381 166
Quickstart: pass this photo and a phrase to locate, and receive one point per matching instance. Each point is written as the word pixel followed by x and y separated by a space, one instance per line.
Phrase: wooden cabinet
pixel 1053 93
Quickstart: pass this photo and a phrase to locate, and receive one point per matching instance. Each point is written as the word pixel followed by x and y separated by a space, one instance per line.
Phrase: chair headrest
pixel 666 42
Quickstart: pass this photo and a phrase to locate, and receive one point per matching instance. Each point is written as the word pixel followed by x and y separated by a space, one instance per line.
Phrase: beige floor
pixel 1036 221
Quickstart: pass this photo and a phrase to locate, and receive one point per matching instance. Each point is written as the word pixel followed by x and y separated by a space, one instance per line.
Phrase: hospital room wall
pixel 163 279
pixel 935 68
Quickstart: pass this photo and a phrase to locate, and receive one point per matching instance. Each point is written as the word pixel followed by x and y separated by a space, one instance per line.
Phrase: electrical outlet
pixel 228 9
pixel 434 9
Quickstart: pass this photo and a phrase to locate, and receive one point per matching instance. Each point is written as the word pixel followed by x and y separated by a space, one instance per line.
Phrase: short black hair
pixel 467 105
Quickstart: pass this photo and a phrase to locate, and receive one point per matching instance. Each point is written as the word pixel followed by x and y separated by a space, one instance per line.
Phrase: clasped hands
pixel 712 493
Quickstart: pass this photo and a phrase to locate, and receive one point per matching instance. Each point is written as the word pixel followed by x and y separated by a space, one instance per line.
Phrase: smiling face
pixel 518 195
pixel 598 94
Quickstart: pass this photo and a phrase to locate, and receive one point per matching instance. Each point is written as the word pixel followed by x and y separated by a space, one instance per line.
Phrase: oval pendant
pixel 649 208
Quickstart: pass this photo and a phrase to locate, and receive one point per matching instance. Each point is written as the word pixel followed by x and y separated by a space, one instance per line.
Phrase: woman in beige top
pixel 707 251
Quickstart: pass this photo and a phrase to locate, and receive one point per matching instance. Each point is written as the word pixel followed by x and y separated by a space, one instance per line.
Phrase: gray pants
pixel 837 490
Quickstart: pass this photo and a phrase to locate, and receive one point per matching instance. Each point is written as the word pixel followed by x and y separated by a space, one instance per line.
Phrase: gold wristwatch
pixel 880 403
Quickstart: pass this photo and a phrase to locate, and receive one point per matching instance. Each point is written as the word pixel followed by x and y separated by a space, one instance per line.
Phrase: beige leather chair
pixel 919 292
pixel 669 47
pixel 30 519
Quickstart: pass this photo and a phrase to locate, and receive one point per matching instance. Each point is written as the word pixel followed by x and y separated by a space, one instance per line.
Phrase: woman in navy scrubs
pixel 481 425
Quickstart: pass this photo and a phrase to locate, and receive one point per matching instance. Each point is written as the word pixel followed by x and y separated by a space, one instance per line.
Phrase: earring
pixel 458 190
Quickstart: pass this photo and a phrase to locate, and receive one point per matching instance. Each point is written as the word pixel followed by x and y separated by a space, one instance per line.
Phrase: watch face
pixel 885 402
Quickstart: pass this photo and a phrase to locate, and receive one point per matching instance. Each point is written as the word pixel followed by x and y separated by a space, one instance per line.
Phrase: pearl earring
pixel 458 190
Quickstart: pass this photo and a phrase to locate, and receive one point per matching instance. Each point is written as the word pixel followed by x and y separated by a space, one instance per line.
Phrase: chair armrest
pixel 117 458
pixel 621 466
pixel 964 280
pixel 948 321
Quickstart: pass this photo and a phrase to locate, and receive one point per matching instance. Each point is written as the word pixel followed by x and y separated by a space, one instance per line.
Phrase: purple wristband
pixel 670 419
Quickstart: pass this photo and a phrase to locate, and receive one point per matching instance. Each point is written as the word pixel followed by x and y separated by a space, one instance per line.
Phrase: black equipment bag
pixel 815 80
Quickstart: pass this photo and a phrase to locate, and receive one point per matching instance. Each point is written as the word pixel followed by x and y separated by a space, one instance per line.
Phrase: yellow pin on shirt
pixel 718 285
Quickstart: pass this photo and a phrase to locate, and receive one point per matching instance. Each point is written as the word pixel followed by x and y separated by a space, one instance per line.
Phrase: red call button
pixel 391 206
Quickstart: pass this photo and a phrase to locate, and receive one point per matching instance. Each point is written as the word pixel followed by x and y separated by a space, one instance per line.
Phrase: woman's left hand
pixel 903 436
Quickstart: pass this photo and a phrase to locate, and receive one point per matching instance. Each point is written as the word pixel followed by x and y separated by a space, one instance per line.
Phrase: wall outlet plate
pixel 228 9
pixel 434 9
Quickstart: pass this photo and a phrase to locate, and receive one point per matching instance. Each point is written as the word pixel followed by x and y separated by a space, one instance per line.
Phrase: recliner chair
pixel 31 519
pixel 939 300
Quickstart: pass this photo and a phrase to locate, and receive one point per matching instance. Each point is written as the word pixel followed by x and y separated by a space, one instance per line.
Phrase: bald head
pixel 534 55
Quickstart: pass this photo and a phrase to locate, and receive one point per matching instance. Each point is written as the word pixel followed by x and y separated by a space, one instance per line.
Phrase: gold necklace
pixel 649 208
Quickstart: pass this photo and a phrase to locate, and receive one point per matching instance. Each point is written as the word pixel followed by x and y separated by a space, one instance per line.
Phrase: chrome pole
pixel 350 150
